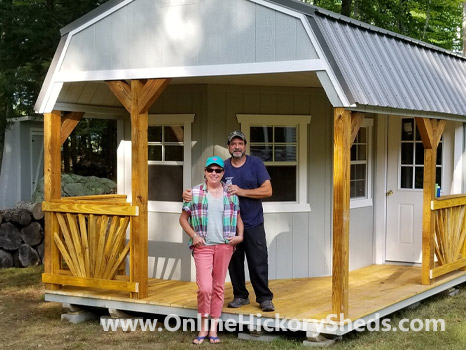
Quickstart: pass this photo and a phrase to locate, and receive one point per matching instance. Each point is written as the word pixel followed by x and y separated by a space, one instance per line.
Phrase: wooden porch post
pixel 341 202
pixel 137 99
pixel 52 189
pixel 431 132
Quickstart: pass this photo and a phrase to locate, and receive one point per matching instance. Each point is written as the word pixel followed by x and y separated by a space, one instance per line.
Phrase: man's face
pixel 237 148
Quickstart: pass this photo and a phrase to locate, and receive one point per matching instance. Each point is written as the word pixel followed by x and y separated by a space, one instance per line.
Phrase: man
pixel 250 182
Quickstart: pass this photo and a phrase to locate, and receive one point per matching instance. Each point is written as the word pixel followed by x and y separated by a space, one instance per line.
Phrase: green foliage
pixel 437 22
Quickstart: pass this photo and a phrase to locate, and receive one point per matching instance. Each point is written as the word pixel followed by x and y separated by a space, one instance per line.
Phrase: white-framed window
pixel 169 150
pixel 361 167
pixel 281 142
pixel 411 159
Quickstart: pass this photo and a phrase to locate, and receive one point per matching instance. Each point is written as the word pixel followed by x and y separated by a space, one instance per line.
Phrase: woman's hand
pixel 235 240
pixel 198 241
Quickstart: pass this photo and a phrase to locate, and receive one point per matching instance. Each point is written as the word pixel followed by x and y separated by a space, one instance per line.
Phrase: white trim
pixel 91 109
pixel 175 119
pixel 458 159
pixel 366 201
pixel 311 65
pixel 301 122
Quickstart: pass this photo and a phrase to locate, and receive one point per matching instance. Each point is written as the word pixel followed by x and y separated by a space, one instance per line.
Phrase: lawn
pixel 28 322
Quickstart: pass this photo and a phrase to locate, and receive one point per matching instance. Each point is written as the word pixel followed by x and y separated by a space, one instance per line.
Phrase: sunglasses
pixel 210 170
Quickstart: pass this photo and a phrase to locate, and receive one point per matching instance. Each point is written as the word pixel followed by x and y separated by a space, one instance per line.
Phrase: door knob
pixel 389 193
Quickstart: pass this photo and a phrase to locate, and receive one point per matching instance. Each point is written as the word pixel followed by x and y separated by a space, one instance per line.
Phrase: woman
pixel 213 222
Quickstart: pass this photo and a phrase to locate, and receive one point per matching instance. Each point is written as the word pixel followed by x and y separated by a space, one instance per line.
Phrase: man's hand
pixel 235 240
pixel 187 195
pixel 234 189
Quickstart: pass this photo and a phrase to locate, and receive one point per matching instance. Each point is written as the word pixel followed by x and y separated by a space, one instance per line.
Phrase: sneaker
pixel 238 302
pixel 267 305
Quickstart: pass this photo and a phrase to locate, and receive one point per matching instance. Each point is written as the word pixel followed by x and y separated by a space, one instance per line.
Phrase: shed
pixel 356 126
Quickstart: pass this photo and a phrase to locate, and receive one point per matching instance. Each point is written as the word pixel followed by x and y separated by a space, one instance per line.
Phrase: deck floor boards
pixel 371 288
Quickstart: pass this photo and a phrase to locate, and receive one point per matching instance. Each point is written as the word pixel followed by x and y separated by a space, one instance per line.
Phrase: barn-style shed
pixel 356 125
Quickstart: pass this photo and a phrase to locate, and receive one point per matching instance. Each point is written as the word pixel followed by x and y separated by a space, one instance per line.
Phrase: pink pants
pixel 211 269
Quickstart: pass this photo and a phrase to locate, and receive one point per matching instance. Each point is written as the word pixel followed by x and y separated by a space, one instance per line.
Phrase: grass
pixel 28 322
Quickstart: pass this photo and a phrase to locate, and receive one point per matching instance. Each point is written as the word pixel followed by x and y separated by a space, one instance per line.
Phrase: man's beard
pixel 236 156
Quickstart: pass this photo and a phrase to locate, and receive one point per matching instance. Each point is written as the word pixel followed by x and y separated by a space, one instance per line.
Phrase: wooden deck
pixel 376 289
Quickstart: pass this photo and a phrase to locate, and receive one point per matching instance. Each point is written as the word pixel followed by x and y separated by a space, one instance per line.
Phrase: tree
pixel 438 22
pixel 29 35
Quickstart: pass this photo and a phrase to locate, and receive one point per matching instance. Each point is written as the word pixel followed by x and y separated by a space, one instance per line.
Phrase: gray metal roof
pixel 379 68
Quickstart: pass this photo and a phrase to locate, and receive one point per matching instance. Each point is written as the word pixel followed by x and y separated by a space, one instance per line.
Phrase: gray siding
pixel 299 243
pixel 148 33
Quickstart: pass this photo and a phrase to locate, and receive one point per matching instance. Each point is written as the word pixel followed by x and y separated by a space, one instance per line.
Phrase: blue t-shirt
pixel 252 174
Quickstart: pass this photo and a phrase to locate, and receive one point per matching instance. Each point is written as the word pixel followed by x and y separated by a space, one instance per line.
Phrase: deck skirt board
pixel 376 289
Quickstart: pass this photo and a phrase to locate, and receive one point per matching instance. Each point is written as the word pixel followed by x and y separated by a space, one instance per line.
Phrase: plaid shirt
pixel 197 209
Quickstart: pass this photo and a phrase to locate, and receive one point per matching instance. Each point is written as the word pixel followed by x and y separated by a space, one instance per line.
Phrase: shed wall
pixel 299 243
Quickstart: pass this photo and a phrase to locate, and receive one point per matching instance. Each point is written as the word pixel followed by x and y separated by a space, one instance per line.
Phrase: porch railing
pixel 449 215
pixel 90 236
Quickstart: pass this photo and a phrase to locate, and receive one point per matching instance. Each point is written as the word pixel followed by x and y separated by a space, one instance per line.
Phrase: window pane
pixel 419 153
pixel 283 182
pixel 263 152
pixel 352 189
pixel 419 177
pixel 360 188
pixel 285 153
pixel 353 152
pixel 406 177
pixel 155 152
pixel 362 135
pixel 154 134
pixel 353 172
pixel 439 154
pixel 174 133
pixel 406 153
pixel 438 176
pixel 361 152
pixel 174 153
pixel 165 183
pixel 261 134
pixel 360 171
pixel 285 134
pixel 407 129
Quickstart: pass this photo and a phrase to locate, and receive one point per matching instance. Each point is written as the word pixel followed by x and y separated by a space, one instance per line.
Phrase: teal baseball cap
pixel 214 160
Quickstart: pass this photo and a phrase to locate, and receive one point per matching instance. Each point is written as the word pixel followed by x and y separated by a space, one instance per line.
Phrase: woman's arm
pixel 239 232
pixel 197 240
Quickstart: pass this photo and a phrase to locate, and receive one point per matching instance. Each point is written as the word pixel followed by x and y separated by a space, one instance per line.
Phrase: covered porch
pixel 374 292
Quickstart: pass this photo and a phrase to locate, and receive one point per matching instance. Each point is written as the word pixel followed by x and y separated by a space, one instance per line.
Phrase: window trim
pixel 301 122
pixel 366 201
pixel 186 120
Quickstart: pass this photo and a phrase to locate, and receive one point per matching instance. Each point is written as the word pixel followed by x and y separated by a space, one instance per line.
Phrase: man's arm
pixel 264 191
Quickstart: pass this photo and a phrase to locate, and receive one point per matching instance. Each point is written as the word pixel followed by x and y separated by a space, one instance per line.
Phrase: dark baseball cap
pixel 236 133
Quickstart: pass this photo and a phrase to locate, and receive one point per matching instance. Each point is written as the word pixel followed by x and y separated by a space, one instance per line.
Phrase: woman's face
pixel 213 174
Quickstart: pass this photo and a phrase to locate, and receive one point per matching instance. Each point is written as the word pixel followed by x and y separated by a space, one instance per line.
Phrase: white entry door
pixel 404 189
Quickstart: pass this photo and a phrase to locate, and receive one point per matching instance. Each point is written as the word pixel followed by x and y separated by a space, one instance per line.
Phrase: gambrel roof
pixel 260 42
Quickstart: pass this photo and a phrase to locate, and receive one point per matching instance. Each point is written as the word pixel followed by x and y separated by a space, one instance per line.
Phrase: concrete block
pixel 257 336
pixel 78 317
pixel 72 307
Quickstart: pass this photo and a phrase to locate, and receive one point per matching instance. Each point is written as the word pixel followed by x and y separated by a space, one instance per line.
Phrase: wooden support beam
pixel 431 132
pixel 137 99
pixel 356 121
pixel 52 189
pixel 341 210
pixel 122 91
pixel 69 122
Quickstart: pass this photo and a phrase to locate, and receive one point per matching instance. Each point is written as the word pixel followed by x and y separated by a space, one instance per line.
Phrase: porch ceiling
pixel 93 96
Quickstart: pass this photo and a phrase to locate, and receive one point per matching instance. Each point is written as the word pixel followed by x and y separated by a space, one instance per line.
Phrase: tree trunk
pixel 28 256
pixel 346 8
pixel 6 259
pixel 10 238
pixel 34 208
pixel 32 234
